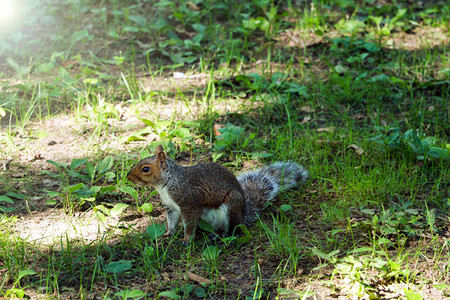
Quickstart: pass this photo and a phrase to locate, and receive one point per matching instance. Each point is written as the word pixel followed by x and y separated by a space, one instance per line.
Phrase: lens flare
pixel 8 12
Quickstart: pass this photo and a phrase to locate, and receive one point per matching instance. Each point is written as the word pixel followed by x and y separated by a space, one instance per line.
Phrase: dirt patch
pixel 421 38
pixel 54 226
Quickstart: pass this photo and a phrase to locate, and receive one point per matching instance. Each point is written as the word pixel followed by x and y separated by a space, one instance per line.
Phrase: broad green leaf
pixel 15 195
pixel 165 3
pixel 199 27
pixel 131 29
pixel 118 209
pixel 119 266
pixel 113 34
pixel 401 12
pixel 272 13
pixel 187 288
pixel 200 292
pixel 134 137
pixel 383 241
pixel 139 19
pixel 24 273
pixel 368 211
pixel 6 199
pixel 91 81
pixel 95 189
pixel 105 165
pixel 79 35
pixel 263 24
pixel 155 230
pixel 381 77
pixel 250 24
pixel 149 123
pixel 90 170
pixel 286 207
pixel 437 152
pixel 328 257
pixel 100 216
pixel 340 69
pixel 75 174
pixel 411 295
pixel 85 193
pixel 362 249
pixel 216 156
pixel 103 208
pixel 320 266
pixel 131 191
pixel 56 164
pixel 301 90
pixel 51 202
pixel 169 294
pixel 247 234
pixel 109 175
pixel 52 194
pixel 211 253
pixel 75 187
pixel 20 70
pixel 19 293
pixel 147 207
pixel 205 226
pixel 160 24
pixel 182 133
pixel 127 294
pixel 149 251
pixel 45 67
pixel 77 162
pixel 106 189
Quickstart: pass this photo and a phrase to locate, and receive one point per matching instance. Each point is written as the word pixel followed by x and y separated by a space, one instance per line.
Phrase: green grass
pixel 358 93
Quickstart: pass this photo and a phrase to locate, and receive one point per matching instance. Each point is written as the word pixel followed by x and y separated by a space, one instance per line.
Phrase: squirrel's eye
pixel 146 169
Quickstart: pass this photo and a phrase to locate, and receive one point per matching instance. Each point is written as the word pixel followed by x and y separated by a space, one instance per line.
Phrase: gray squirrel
pixel 210 192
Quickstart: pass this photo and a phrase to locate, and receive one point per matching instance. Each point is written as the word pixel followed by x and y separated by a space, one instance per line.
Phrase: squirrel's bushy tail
pixel 261 186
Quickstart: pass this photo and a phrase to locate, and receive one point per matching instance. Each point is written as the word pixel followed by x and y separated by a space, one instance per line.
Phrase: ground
pixel 340 98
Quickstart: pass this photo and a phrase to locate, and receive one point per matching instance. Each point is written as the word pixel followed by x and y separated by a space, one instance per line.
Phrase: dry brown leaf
pixel 216 129
pixel 246 164
pixel 326 129
pixel 192 6
pixel 306 109
pixel 306 120
pixel 4 164
pixel 18 174
pixel 197 278
pixel 68 63
pixel 358 150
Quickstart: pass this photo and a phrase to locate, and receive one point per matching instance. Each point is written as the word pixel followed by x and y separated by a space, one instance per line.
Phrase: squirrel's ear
pixel 159 149
pixel 161 158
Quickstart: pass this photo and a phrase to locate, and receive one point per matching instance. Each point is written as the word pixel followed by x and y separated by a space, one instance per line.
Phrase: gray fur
pixel 262 185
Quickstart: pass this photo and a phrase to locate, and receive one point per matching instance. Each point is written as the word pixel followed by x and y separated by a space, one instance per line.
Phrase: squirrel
pixel 210 192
